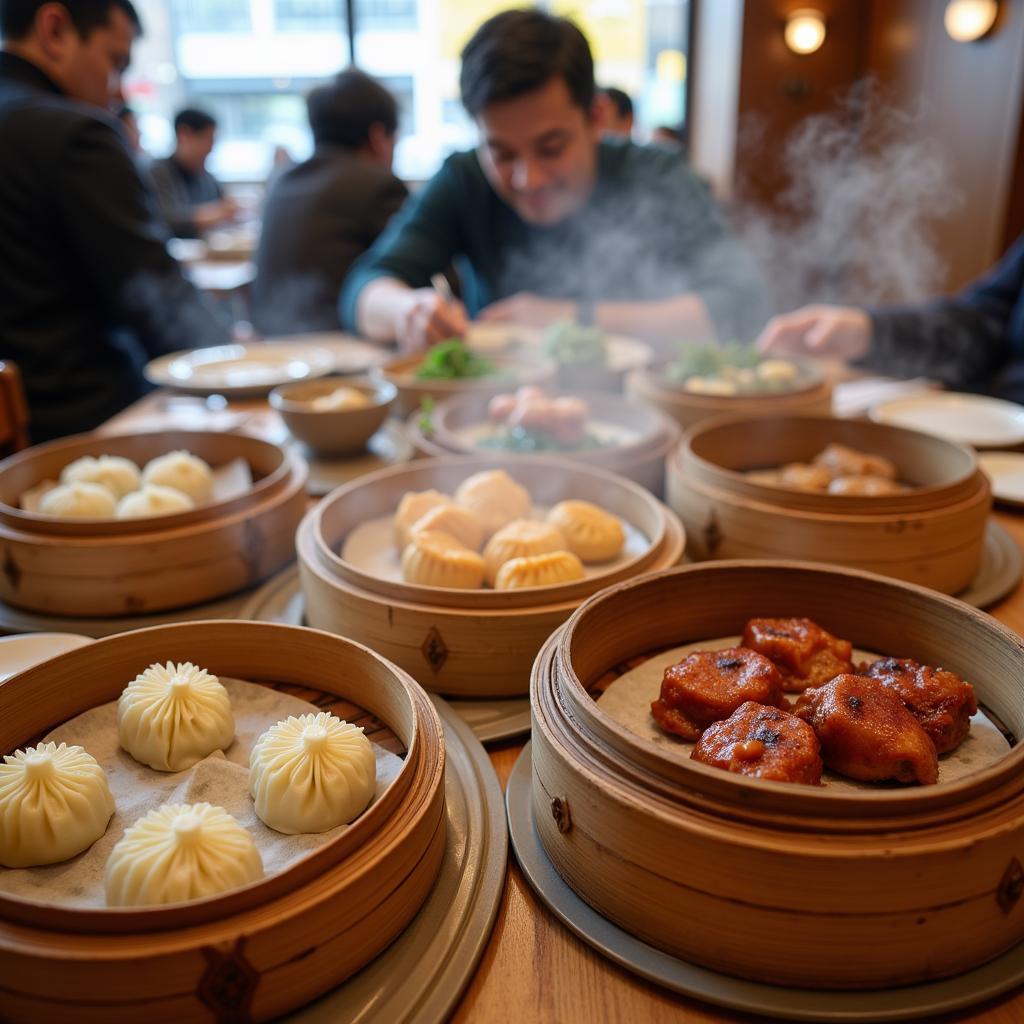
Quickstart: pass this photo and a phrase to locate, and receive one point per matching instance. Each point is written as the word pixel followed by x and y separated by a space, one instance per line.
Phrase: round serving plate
pixel 687 408
pixel 513 371
pixel 24 650
pixel 549 480
pixel 1005 471
pixel 351 354
pixel 888 885
pixel 281 600
pixel 976 420
pixel 114 568
pixel 284 939
pixel 240 371
pixel 908 1002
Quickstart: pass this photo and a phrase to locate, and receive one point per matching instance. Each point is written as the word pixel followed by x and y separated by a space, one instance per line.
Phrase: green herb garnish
pixel 516 439
pixel 575 345
pixel 453 360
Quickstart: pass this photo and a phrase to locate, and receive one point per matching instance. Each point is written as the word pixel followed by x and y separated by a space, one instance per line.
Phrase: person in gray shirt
pixel 189 197
pixel 321 215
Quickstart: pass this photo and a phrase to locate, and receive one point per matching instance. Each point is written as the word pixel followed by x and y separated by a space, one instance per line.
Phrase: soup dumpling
pixel 120 476
pixel 153 500
pixel 55 802
pixel 539 571
pixel 413 507
pixel 590 532
pixel 311 774
pixel 495 498
pixel 184 472
pixel 435 559
pixel 79 501
pixel 456 521
pixel 181 852
pixel 518 539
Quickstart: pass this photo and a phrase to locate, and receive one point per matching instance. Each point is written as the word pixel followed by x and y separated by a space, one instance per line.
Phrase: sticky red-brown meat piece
pixel 866 733
pixel 804 653
pixel 707 686
pixel 941 701
pixel 763 742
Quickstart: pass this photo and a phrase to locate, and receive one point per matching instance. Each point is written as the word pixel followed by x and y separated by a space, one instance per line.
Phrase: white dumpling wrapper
pixel 184 472
pixel 119 475
pixel 153 500
pixel 55 802
pixel 311 773
pixel 171 716
pixel 181 852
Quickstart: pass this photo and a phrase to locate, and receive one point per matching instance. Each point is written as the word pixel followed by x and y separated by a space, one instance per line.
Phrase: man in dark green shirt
pixel 545 222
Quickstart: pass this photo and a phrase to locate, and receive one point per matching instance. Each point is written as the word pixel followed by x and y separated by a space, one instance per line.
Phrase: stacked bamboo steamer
pixel 864 889
pixel 465 643
pixel 641 459
pixel 932 535
pixel 687 408
pixel 272 946
pixel 81 567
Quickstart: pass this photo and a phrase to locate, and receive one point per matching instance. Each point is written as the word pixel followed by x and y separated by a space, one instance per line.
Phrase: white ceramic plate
pixel 24 650
pixel 970 419
pixel 351 355
pixel 237 370
pixel 1006 472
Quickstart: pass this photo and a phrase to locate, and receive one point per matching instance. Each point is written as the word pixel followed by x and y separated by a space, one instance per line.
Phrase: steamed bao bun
pixel 153 500
pixel 79 501
pixel 120 476
pixel 184 472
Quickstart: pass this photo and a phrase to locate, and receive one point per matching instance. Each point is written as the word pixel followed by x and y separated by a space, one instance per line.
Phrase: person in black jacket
pixel 973 341
pixel 324 213
pixel 87 288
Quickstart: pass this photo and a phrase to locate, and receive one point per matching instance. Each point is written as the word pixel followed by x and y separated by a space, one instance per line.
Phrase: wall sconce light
pixel 969 20
pixel 805 30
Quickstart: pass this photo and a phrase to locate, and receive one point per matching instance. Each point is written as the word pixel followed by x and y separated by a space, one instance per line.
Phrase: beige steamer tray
pixel 464 643
pixel 270 946
pixel 887 886
pixel 932 535
pixel 109 567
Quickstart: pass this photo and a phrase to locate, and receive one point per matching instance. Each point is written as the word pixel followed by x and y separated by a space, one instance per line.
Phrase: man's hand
pixel 529 310
pixel 840 332
pixel 425 318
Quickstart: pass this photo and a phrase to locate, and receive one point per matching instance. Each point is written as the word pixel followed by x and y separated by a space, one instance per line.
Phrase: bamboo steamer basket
pixel 92 567
pixel 933 535
pixel 806 886
pixel 641 460
pixel 650 388
pixel 262 950
pixel 465 643
pixel 514 371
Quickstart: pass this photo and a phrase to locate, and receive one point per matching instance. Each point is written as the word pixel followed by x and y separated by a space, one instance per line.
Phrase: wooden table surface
pixel 533 968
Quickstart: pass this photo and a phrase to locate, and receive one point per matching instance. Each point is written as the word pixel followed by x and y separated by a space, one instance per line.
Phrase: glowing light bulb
pixel 969 20
pixel 805 30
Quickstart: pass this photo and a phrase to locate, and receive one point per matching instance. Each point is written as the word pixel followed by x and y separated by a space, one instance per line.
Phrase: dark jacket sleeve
pixel 419 241
pixel 963 341
pixel 174 212
pixel 122 246
pixel 387 199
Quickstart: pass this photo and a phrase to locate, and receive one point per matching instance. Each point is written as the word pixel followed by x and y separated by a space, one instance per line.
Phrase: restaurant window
pixel 253 61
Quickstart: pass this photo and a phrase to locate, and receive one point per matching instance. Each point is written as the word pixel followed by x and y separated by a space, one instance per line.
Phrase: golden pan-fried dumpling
pixel 435 559
pixel 153 500
pixel 802 476
pixel 311 773
pixel 518 539
pixel 413 507
pixel 120 476
pixel 184 472
pixel 539 571
pixel 79 501
pixel 456 521
pixel 590 532
pixel 55 802
pixel 495 498
pixel 867 486
pixel 171 716
pixel 840 460
pixel 181 852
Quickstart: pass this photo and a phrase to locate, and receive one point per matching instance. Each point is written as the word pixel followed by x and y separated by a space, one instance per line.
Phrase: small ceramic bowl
pixel 333 432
